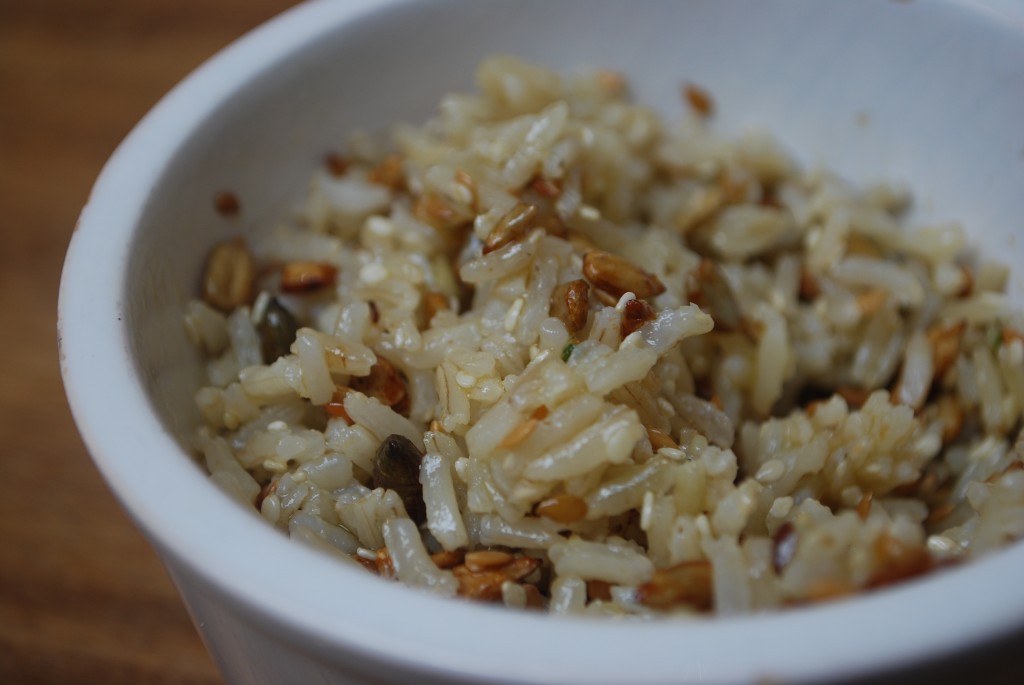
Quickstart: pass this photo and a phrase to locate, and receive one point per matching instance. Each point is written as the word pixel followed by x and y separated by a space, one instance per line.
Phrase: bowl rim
pixel 395 624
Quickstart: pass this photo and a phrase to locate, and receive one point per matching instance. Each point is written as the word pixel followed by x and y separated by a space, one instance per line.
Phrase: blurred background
pixel 83 598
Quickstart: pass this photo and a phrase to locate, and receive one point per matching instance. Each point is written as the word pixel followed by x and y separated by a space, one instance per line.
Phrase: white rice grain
pixel 443 517
pixel 413 565
pixel 610 561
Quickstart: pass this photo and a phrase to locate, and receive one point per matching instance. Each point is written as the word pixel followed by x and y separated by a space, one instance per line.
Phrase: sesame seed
pixel 512 316
pixel 781 507
pixel 703 526
pixel 634 339
pixel 939 544
pixel 488 390
pixel 672 453
pixel 647 510
pixel 770 471
pixel 373 273
pixel 378 225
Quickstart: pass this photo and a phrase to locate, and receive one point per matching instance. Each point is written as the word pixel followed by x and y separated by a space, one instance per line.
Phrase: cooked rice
pixel 781 396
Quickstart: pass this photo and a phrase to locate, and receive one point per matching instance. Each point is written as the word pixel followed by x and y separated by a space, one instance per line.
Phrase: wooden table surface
pixel 83 598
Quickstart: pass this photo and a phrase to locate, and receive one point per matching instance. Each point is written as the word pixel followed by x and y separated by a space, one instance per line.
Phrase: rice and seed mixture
pixel 550 351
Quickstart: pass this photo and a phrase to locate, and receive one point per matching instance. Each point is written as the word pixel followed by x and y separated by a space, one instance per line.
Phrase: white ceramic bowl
pixel 926 93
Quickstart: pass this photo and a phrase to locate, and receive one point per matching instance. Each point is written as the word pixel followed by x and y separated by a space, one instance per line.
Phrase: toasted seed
pixel 396 466
pixel 784 544
pixel 810 289
pixel 570 303
pixel 855 397
pixel 230 273
pixel 336 164
pixel 968 286
pixel 687 583
pixel 520 567
pixel 303 277
pixel 485 584
pixel 870 301
pixel 226 203
pixel 546 187
pixel 466 181
pixel 385 565
pixel 540 413
pixel 699 99
pixel 634 315
pixel 518 434
pixel 945 342
pixel 864 505
pixel 952 416
pixel 898 561
pixel 448 559
pixel 389 173
pixel 277 328
pixel 562 508
pixel 511 227
pixel 433 302
pixel 660 440
pixel 618 276
pixel 384 382
pixel 486 558
pixel 599 590
pixel 436 426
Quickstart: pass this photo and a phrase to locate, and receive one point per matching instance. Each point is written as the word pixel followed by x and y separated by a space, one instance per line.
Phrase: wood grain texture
pixel 83 598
